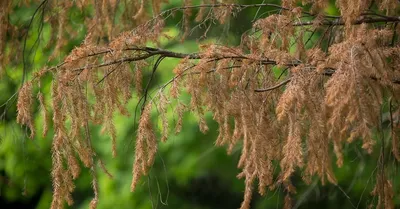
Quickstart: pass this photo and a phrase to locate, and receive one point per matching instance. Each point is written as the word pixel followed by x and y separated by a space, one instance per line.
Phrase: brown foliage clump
pixel 146 147
pixel 330 90
pixel 24 106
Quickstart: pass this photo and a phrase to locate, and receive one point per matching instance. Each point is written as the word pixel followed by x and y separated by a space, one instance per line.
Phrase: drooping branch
pixel 151 52
pixel 329 20
pixel 237 6
pixel 360 20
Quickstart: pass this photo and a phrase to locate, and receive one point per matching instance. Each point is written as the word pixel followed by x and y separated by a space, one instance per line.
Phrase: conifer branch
pixel 150 52
pixel 337 20
pixel 360 20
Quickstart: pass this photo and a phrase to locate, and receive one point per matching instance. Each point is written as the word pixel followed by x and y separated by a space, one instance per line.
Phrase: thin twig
pixel 274 87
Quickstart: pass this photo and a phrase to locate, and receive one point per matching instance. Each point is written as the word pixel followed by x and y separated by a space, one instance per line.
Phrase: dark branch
pixel 150 52
pixel 274 87
pixel 361 20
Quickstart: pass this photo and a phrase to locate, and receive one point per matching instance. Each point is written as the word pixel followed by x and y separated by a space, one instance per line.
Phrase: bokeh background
pixel 189 171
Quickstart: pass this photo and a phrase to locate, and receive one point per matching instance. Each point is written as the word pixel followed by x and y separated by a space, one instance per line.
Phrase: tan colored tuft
pixel 24 107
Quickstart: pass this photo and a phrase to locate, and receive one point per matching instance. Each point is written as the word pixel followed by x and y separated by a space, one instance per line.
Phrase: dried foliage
pixel 330 92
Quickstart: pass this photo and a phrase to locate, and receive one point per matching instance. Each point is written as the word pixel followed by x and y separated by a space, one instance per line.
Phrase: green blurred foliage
pixel 189 171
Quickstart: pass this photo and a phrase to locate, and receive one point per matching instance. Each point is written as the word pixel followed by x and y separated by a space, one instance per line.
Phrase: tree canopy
pixel 290 84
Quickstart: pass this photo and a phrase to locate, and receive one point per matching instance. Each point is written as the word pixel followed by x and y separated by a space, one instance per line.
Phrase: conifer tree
pixel 299 85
